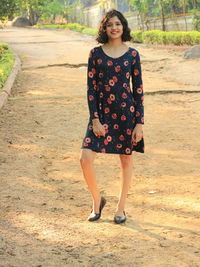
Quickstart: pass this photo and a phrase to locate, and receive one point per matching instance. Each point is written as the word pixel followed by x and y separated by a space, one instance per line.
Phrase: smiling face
pixel 114 28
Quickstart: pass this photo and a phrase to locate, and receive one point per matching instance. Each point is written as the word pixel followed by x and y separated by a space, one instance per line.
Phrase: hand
pixel 98 128
pixel 137 133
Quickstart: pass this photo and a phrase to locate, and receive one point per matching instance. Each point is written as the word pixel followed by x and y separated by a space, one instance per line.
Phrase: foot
pixel 120 217
pixel 95 216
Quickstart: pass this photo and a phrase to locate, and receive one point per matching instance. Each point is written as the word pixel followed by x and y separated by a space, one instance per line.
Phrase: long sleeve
pixel 137 87
pixel 92 86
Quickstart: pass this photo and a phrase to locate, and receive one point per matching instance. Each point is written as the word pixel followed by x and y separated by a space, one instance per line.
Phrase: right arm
pixel 92 86
pixel 98 128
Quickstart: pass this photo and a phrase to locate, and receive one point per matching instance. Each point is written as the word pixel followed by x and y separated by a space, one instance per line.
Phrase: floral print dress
pixel 111 99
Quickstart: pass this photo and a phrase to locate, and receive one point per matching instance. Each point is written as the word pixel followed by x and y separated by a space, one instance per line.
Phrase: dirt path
pixel 44 202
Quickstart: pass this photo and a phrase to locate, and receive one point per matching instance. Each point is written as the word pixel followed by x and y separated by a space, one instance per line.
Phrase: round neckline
pixel 114 57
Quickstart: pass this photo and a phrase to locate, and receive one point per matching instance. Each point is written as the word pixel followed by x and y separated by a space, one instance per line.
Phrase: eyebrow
pixel 113 22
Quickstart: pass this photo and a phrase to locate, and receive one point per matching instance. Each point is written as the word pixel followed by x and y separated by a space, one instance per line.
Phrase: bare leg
pixel 127 169
pixel 87 165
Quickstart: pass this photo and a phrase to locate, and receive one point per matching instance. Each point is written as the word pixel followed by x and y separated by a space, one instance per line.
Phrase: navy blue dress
pixel 110 98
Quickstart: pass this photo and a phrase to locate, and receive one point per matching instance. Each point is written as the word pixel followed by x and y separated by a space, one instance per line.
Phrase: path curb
pixel 9 82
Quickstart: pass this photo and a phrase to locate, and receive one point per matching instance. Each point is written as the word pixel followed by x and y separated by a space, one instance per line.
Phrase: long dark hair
pixel 102 36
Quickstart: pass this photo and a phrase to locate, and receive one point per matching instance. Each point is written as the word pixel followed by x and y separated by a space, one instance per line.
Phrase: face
pixel 114 28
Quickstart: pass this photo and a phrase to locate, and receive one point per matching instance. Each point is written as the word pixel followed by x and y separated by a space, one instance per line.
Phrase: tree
pixel 8 8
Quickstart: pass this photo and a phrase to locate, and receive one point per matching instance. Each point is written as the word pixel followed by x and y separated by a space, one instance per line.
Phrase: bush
pixel 6 63
pixel 148 37
pixel 137 36
pixel 161 37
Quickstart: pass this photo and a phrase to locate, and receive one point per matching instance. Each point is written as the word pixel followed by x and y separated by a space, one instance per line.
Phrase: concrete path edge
pixel 10 81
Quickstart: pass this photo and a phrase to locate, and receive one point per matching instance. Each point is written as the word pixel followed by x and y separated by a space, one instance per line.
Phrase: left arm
pixel 138 94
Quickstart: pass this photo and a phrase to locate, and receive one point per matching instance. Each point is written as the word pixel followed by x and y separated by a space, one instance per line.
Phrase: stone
pixel 21 22
pixel 192 52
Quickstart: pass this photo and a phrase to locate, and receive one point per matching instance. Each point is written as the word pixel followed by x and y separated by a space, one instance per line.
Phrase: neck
pixel 115 43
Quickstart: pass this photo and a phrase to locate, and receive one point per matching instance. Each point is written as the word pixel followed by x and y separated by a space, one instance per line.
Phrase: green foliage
pixel 7 8
pixel 137 36
pixel 70 26
pixel 90 31
pixel 162 37
pixel 196 21
pixel 6 63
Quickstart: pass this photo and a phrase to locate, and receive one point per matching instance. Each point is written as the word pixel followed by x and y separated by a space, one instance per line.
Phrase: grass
pixel 6 63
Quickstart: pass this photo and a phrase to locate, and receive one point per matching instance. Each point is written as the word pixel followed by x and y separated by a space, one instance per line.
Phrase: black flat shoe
pixel 120 219
pixel 95 216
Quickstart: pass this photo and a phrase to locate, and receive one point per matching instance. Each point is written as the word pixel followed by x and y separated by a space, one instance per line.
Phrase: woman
pixel 116 111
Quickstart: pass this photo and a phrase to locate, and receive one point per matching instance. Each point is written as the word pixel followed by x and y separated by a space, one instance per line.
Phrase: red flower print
pixel 111 82
pixel 136 72
pixel 99 60
pixel 109 63
pixel 91 97
pixel 137 114
pixel 114 116
pixel 85 144
pixel 103 150
pixel 133 62
pixel 142 119
pixel 127 75
pixel 94 82
pixel 124 95
pixel 101 94
pixel 90 74
pixel 121 138
pixel 132 108
pixel 134 53
pixel 123 104
pixel 105 141
pixel 142 98
pixel 109 100
pixel 116 126
pixel 100 75
pixel 127 150
pixel 87 140
pixel 105 126
pixel 90 127
pixel 128 131
pixel 96 115
pixel 126 63
pixel 139 90
pixel 123 117
pixel 117 68
pixel 109 138
pixel 125 85
pixel 107 110
pixel 112 97
pixel 93 71
pixel 119 145
pixel 107 88
pixel 128 89
pixel 115 79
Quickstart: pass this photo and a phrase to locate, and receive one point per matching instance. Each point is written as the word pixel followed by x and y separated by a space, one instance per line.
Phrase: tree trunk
pixel 162 14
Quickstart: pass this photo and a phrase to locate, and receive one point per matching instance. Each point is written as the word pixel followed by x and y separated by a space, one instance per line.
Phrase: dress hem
pixel 98 151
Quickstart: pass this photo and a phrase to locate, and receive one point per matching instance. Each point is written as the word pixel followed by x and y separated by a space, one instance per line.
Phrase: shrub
pixel 6 63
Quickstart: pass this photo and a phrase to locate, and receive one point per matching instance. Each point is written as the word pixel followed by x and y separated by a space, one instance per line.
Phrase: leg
pixel 127 169
pixel 86 162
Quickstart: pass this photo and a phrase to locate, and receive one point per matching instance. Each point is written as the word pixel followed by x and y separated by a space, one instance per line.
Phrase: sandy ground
pixel 44 201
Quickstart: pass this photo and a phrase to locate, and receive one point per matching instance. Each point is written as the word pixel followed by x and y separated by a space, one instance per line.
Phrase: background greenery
pixel 49 9
pixel 6 63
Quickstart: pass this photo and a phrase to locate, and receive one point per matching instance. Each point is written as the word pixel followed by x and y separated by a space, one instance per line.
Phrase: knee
pixel 126 161
pixel 85 159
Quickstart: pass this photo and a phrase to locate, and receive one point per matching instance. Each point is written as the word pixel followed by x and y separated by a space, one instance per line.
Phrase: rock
pixel 21 22
pixel 192 52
